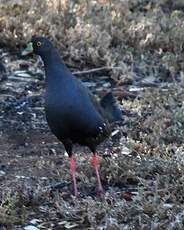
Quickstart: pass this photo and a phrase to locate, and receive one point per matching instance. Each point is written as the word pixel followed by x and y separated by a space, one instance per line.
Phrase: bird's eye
pixel 38 43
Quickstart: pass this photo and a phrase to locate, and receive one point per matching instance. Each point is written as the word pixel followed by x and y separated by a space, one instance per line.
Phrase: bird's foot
pixel 76 193
pixel 99 191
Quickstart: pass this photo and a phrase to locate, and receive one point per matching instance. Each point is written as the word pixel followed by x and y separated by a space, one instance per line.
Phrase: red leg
pixel 72 170
pixel 95 165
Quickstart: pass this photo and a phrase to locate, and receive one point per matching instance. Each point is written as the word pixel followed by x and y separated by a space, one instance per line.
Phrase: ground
pixel 140 51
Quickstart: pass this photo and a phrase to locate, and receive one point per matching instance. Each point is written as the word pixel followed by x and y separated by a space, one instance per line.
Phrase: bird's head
pixel 38 45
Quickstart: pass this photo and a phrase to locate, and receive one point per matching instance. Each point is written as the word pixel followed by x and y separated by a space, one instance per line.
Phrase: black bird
pixel 72 112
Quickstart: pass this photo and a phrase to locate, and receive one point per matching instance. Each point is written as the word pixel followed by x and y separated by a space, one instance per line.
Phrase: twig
pixel 97 69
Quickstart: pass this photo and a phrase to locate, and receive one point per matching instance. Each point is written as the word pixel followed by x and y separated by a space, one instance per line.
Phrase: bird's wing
pixel 93 99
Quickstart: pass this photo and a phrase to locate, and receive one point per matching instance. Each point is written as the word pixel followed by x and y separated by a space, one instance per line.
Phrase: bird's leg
pixel 72 170
pixel 95 165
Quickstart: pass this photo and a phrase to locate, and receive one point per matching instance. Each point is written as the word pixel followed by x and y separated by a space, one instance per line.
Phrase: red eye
pixel 38 43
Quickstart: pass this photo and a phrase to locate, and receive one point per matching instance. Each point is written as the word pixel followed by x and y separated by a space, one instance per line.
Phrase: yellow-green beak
pixel 28 50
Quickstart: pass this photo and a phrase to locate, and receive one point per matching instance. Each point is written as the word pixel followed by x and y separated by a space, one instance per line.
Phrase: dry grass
pixel 99 32
pixel 144 175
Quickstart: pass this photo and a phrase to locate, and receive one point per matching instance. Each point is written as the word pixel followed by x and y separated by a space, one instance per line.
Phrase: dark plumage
pixel 73 114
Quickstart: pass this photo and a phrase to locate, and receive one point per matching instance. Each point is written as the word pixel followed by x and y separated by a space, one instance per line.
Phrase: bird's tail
pixel 111 109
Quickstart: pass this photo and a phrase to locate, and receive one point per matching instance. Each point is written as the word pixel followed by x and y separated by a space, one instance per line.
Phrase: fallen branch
pixel 97 69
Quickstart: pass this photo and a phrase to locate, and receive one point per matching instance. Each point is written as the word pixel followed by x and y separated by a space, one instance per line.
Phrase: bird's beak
pixel 28 50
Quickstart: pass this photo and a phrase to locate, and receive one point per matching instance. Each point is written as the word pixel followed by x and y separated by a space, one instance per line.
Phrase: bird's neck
pixel 53 64
pixel 51 58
